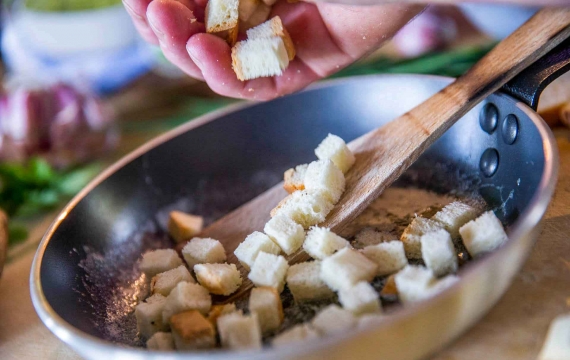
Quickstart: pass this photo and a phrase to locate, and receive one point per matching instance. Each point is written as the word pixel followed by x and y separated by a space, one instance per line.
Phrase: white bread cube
pixel 438 252
pixel 455 215
pixel 389 256
pixel 296 334
pixel 346 268
pixel 322 243
pixel 306 208
pixel 158 261
pixel 186 296
pixel 324 176
pixel 369 236
pixel 218 310
pixel 203 251
pixel 191 331
pixel 149 316
pixel 413 283
pixel 221 15
pixel 163 283
pixel 254 243
pixel 483 234
pixel 265 302
pixel 239 332
pixel 557 343
pixel 246 8
pixel 333 319
pixel 286 233
pixel 257 58
pixel 371 319
pixel 294 178
pixel 269 270
pixel 182 226
pixel 335 149
pixel 259 16
pixel 219 279
pixel 413 233
pixel 273 28
pixel 305 283
pixel 360 299
pixel 161 341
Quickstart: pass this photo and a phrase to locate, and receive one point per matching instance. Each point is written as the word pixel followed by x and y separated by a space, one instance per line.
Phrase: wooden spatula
pixel 382 155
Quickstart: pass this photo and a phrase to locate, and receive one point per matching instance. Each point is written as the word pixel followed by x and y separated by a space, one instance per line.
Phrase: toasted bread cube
pixel 191 330
pixel 557 343
pixel 294 179
pixel 219 279
pixel 335 149
pixel 218 310
pixel 265 302
pixel 253 244
pixel 158 261
pixel 163 283
pixel 390 288
pixel 203 251
pixel 438 252
pixel 305 283
pixel 324 176
pixel 273 28
pixel 269 270
pixel 455 215
pixel 182 226
pixel 333 319
pixel 322 243
pixel 239 332
pixel 162 341
pixel 246 8
pixel 306 208
pixel 297 333
pixel 413 283
pixel 286 233
pixel 369 236
pixel 186 296
pixel 360 299
pixel 390 256
pixel 259 16
pixel 149 316
pixel 269 2
pixel 221 15
pixel 413 233
pixel 367 320
pixel 483 234
pixel 346 268
pixel 257 58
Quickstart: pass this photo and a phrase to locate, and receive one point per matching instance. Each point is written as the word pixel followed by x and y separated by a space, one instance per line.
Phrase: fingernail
pixel 153 26
pixel 131 11
pixel 194 56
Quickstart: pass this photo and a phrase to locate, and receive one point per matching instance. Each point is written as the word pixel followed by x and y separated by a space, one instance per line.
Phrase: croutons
pixel 265 302
pixel 158 261
pixel 261 57
pixel 149 316
pixel 182 226
pixel 389 288
pixel 239 332
pixel 162 341
pixel 413 282
pixel 269 270
pixel 483 234
pixel 253 244
pixel 259 16
pixel 222 19
pixel 191 330
pixel 306 208
pixel 438 252
pixel 305 283
pixel 321 243
pixel 413 233
pixel 455 215
pixel 333 319
pixel 186 296
pixel 164 282
pixel 286 233
pixel 324 176
pixel 295 334
pixel 360 299
pixel 219 279
pixel 218 310
pixel 346 268
pixel 335 149
pixel 557 343
pixel 294 179
pixel 270 29
pixel 247 8
pixel 388 256
pixel 203 251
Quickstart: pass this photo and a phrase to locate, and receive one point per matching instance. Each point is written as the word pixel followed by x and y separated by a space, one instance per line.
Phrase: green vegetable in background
pixel 68 5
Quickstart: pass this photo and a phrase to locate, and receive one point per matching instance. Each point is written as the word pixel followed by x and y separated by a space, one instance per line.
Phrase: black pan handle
pixel 529 84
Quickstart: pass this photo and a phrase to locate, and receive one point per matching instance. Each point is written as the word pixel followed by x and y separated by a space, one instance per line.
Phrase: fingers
pixel 137 11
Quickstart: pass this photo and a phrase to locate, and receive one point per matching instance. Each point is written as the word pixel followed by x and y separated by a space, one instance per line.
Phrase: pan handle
pixel 529 84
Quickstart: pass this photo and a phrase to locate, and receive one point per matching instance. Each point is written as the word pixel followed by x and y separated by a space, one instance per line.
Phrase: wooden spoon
pixel 382 155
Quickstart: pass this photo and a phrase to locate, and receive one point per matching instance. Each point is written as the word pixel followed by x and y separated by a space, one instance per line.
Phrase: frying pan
pixel 84 282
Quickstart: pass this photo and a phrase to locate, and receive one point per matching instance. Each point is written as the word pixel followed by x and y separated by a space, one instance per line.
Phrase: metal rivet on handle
pixel 489 118
pixel 489 162
pixel 510 129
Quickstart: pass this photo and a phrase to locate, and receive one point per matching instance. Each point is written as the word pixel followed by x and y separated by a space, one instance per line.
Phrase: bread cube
pixel 346 268
pixel 324 176
pixel 297 333
pixel 438 252
pixel 321 243
pixel 269 270
pixel 455 215
pixel 390 288
pixel 413 233
pixel 265 302
pixel 164 282
pixel 286 233
pixel 191 330
pixel 368 320
pixel 306 208
pixel 259 16
pixel 182 226
pixel 483 234
pixel 305 283
pixel 257 58
pixel 360 299
pixel 239 332
pixel 294 179
pixel 413 283
pixel 149 316
pixel 253 244
pixel 218 310
pixel 219 279
pixel 333 319
pixel 557 343
pixel 272 28
pixel 246 8
pixel 162 341
pixel 335 149
pixel 203 251
pixel 186 296
pixel 158 261
pixel 369 236
pixel 221 15
pixel 389 257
